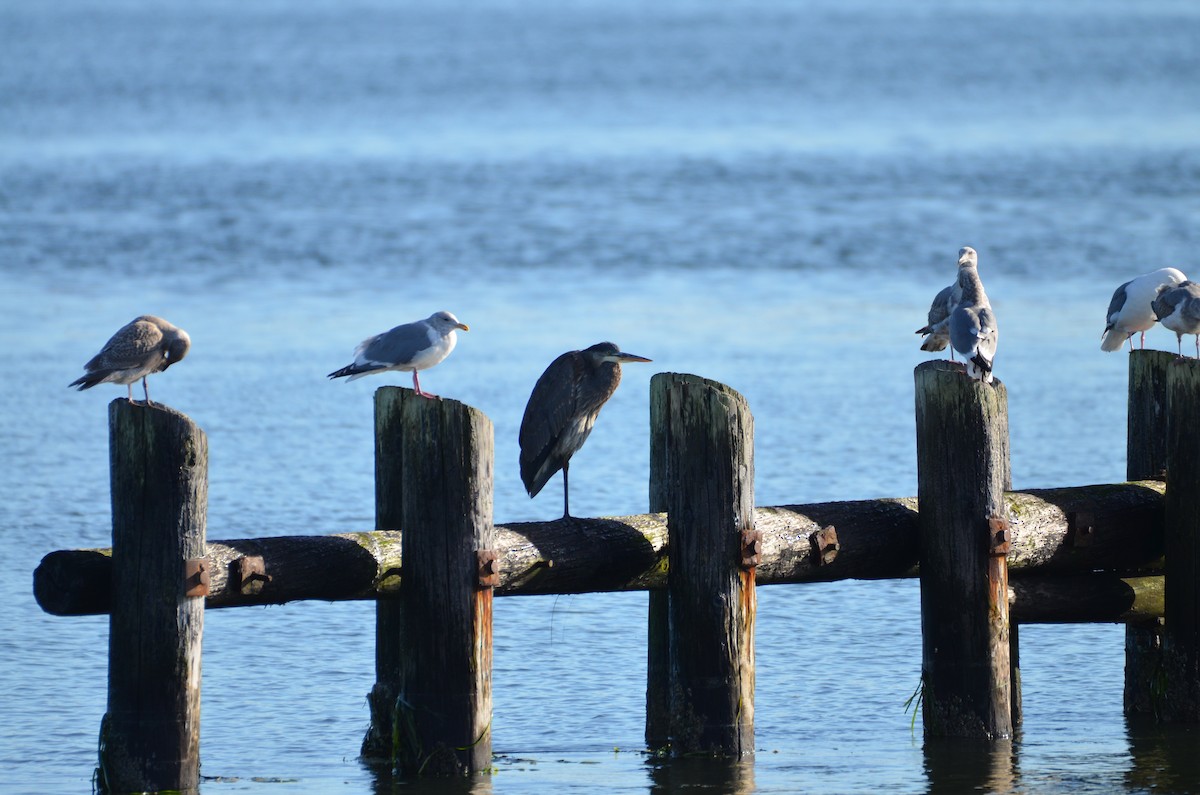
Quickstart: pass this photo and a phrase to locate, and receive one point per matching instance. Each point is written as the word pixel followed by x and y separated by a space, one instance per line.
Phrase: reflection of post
pixel 150 739
pixel 1181 639
pixel 701 774
pixel 714 550
pixel 1145 459
pixel 1164 757
pixel 955 766
pixel 962 468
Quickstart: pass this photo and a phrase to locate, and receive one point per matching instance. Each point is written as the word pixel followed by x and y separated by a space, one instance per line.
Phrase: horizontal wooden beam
pixel 1081 529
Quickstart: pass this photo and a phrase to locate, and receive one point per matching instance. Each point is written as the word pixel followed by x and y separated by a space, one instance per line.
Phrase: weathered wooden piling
pixel 1181 637
pixel 714 550
pixel 962 467
pixel 431 707
pixel 658 619
pixel 150 736
pixel 1145 459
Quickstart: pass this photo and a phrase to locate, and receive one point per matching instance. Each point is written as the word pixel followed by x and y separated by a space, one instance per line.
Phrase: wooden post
pixel 150 737
pixel 710 585
pixel 440 647
pixel 1181 639
pixel 1145 459
pixel 658 655
pixel 962 467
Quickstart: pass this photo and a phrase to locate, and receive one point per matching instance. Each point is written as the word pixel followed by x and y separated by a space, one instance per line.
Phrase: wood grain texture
pixel 441 721
pixel 962 468
pixel 1181 641
pixel 1145 459
pixel 710 503
pixel 629 553
pixel 150 739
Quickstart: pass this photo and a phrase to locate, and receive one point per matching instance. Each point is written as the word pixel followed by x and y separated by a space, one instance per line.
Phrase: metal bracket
pixel 751 548
pixel 249 574
pixel 999 536
pixel 196 577
pixel 1081 528
pixel 825 545
pixel 488 571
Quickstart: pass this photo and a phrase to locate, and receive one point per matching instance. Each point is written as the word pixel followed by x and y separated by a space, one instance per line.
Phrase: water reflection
pixel 725 775
pixel 955 765
pixel 1165 759
pixel 384 782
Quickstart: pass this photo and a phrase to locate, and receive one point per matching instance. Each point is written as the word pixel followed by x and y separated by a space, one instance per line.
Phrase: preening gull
pixel 1129 311
pixel 145 345
pixel 411 347
pixel 936 331
pixel 972 324
pixel 562 410
pixel 1178 308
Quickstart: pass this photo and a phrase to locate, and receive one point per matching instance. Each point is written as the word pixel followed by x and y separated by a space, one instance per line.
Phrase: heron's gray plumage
pixel 410 347
pixel 1130 311
pixel 972 324
pixel 1178 308
pixel 142 347
pixel 562 410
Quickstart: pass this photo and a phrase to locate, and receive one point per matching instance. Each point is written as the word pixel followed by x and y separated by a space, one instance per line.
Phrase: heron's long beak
pixel 630 357
pixel 463 326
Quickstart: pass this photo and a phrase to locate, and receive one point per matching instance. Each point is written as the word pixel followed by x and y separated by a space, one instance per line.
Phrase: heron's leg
pixel 566 492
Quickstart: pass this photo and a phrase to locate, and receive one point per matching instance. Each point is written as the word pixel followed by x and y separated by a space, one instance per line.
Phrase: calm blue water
pixel 764 193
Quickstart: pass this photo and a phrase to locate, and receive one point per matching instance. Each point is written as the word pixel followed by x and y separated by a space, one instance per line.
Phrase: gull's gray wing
pixel 397 346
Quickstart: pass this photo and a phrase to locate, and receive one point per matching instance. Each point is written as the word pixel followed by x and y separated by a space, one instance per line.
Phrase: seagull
pixel 410 347
pixel 937 335
pixel 1178 308
pixel 562 410
pixel 972 324
pixel 145 345
pixel 1129 311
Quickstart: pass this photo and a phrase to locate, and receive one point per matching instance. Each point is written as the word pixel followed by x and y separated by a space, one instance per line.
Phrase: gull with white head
pixel 1129 311
pixel 972 324
pixel 410 347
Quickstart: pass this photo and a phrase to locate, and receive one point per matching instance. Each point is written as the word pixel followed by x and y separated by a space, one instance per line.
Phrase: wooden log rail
pixel 1078 530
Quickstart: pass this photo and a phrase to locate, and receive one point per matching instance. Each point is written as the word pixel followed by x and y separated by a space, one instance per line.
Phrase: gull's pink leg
pixel 417 387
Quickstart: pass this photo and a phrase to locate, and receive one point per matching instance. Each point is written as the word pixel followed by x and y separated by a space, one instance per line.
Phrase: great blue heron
pixel 972 324
pixel 1129 312
pixel 1178 308
pixel 143 346
pixel 562 410
pixel 410 347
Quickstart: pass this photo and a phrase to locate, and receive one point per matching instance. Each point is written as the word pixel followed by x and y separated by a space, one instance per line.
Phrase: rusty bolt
pixel 825 545
pixel 751 549
pixel 489 570
pixel 195 577
pixel 1081 528
pixel 999 536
